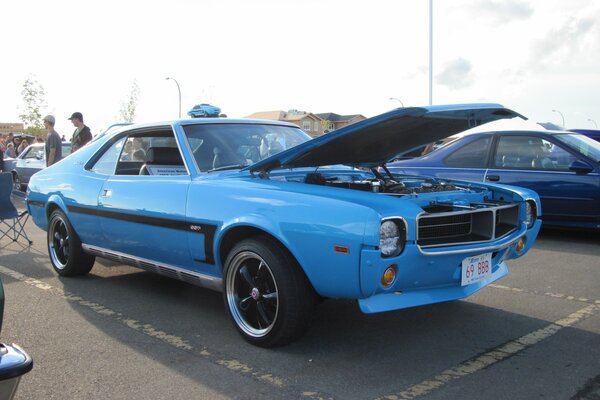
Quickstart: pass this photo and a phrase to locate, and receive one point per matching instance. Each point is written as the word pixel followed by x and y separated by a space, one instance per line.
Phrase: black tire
pixel 17 183
pixel 267 295
pixel 64 247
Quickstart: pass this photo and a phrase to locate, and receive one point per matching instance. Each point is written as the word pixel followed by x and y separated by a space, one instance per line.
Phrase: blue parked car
pixel 204 111
pixel 275 221
pixel 562 167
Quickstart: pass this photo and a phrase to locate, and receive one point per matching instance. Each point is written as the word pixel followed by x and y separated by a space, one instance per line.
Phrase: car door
pixel 143 216
pixel 544 165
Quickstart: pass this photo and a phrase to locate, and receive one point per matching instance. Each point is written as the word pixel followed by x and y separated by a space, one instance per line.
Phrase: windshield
pixel 583 144
pixel 217 146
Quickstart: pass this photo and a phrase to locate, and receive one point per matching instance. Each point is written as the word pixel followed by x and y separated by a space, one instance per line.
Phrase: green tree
pixel 33 97
pixel 127 112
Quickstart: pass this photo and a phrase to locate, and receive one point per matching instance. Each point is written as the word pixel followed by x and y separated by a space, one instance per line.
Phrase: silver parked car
pixel 32 160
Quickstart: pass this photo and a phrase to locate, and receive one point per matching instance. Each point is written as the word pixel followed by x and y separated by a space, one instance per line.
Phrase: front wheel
pixel 17 182
pixel 64 247
pixel 268 297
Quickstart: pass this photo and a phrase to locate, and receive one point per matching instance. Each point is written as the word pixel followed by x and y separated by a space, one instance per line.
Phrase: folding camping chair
pixel 13 221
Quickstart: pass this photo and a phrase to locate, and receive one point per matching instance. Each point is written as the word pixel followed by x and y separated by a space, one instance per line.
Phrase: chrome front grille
pixel 480 225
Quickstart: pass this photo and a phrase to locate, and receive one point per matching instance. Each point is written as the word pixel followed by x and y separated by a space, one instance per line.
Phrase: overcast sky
pixel 346 56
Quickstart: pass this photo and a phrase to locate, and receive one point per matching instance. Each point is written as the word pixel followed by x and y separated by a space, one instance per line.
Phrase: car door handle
pixel 106 193
pixel 492 178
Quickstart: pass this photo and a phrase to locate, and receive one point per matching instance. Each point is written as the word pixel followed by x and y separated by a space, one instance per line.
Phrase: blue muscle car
pixel 275 221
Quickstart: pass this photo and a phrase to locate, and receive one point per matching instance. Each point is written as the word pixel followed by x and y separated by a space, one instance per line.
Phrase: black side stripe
pixel 208 230
pixel 36 203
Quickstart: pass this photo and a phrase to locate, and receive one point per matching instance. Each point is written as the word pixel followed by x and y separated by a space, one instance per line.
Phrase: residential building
pixel 14 127
pixel 313 124
pixel 333 121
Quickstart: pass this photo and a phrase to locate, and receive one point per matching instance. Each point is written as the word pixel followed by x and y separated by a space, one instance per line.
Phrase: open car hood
pixel 376 140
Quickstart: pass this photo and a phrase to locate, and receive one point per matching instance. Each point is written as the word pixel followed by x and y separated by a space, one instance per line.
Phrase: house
pixel 313 124
pixel 309 122
pixel 333 121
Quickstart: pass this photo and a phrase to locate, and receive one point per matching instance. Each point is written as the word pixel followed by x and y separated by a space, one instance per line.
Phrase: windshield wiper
pixel 226 167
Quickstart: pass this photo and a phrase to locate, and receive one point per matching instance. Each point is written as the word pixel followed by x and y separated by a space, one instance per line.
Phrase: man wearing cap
pixel 82 133
pixel 53 142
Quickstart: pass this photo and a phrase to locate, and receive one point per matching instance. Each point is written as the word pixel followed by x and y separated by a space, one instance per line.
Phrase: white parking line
pixel 148 330
pixel 494 356
pixel 549 294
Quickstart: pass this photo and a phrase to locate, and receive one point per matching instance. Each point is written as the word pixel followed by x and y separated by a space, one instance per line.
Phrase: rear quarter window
pixel 471 155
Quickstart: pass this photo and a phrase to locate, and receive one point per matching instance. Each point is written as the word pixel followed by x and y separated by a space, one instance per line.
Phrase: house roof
pixel 333 117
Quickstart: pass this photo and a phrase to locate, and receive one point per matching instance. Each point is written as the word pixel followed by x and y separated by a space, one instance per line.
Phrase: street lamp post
pixel 430 52
pixel 562 116
pixel 178 90
pixel 398 100
pixel 595 124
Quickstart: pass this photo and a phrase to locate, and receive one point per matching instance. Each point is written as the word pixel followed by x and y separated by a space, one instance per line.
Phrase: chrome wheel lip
pixel 233 298
pixel 55 244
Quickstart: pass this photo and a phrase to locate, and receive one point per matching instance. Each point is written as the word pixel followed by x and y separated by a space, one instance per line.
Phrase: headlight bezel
pixel 388 247
pixel 530 212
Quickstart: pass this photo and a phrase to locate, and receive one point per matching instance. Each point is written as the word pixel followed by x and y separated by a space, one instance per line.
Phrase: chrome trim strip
pixel 205 281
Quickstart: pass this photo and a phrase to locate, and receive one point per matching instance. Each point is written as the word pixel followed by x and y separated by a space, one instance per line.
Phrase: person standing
pixel 10 150
pixel 53 142
pixel 82 134
pixel 22 146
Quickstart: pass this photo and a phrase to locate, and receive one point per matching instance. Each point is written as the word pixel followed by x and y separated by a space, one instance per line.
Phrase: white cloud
pixel 571 40
pixel 503 11
pixel 456 74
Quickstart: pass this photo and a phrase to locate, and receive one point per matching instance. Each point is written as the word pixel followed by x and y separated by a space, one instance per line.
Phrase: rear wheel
pixel 268 297
pixel 64 247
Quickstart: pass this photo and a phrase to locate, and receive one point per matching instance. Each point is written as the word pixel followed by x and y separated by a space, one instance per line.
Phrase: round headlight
pixel 530 213
pixel 391 238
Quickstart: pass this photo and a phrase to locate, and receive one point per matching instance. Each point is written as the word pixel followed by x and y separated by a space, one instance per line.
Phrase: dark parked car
pixel 562 167
pixel 32 160
pixel 204 111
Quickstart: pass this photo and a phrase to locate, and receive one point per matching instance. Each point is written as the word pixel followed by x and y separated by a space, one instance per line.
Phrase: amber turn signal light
pixel 388 277
pixel 521 244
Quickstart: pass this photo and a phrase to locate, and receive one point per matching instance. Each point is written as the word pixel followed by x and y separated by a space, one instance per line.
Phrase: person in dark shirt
pixel 82 134
pixel 53 142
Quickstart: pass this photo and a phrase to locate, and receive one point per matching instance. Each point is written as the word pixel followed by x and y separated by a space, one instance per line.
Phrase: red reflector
pixel 341 249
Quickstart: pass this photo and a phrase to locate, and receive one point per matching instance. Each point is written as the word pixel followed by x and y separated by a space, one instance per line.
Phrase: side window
pixel 530 152
pixel 472 155
pixel 107 163
pixel 37 153
pixel 558 158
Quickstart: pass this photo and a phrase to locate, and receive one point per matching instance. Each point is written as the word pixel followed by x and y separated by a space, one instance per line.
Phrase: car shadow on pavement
pixel 563 239
pixel 375 354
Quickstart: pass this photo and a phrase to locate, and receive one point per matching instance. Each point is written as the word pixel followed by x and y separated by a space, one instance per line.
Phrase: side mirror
pixel 581 167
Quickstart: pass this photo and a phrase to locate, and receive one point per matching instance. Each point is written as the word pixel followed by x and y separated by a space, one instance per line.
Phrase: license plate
pixel 477 268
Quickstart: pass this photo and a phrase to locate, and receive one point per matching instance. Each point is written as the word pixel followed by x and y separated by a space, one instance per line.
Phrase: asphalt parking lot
pixel 121 333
